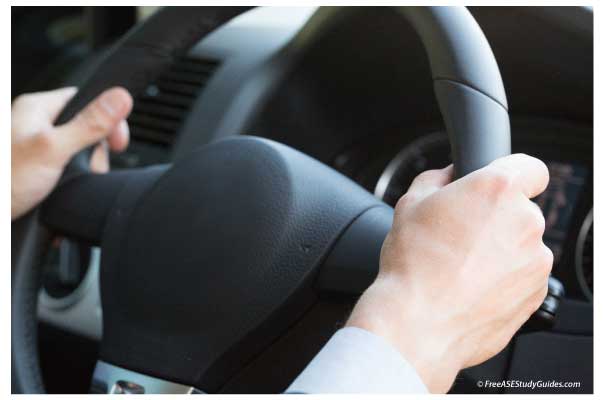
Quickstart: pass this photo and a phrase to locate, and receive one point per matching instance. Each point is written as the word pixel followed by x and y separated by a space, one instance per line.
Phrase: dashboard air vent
pixel 160 110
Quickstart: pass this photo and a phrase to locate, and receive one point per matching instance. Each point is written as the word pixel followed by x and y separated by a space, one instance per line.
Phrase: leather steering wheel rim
pixel 467 84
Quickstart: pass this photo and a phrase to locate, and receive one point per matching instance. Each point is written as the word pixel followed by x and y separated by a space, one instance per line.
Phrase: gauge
pixel 428 152
pixel 584 256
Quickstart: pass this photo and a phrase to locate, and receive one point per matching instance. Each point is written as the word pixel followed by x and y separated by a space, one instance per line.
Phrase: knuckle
pixel 541 167
pixel 533 302
pixel 45 140
pixel 521 156
pixel 405 201
pixel 542 174
pixel 543 294
pixel 94 118
pixel 539 298
pixel 425 176
pixel 47 146
pixel 546 260
pixel 536 222
pixel 496 180
pixel 539 164
pixel 539 170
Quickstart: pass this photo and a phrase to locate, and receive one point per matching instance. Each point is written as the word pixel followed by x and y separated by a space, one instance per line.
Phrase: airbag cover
pixel 218 257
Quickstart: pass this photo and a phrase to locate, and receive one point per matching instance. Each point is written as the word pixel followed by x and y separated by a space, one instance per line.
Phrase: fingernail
pixel 113 101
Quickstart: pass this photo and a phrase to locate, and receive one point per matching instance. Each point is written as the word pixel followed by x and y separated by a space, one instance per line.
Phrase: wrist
pixel 429 348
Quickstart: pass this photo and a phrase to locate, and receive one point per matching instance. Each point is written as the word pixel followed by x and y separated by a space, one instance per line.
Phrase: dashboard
pixel 349 102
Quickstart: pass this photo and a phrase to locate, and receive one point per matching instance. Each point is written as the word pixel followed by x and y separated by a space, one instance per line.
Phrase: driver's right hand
pixel 463 267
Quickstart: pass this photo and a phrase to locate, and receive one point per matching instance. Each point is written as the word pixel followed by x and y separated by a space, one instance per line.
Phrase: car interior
pixel 307 123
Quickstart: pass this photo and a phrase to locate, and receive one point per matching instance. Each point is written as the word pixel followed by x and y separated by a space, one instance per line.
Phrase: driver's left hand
pixel 40 150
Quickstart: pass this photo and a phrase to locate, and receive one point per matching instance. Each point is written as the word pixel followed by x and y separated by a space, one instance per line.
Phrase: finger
pixel 528 173
pixel 528 221
pixel 37 111
pixel 98 120
pixel 119 138
pixel 50 103
pixel 99 160
pixel 530 305
pixel 430 181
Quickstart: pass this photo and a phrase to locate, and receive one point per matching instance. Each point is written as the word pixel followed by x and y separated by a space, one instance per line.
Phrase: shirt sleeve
pixel 357 361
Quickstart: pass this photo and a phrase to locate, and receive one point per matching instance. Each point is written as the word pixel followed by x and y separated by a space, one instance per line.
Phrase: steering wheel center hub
pixel 219 251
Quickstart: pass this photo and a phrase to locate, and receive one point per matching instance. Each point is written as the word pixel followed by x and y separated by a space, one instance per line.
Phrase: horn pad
pixel 207 262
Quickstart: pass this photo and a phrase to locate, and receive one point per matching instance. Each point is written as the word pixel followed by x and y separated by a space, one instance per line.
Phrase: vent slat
pixel 201 70
pixel 150 135
pixel 153 122
pixel 193 65
pixel 159 111
pixel 174 100
pixel 177 88
pixel 185 77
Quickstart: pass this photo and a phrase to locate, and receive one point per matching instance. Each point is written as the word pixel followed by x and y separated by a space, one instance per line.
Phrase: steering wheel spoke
pixel 80 206
pixel 352 264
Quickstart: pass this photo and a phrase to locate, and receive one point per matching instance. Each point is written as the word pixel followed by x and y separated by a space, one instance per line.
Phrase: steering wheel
pixel 210 260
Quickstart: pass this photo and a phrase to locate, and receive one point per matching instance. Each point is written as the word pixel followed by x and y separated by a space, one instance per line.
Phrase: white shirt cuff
pixel 357 361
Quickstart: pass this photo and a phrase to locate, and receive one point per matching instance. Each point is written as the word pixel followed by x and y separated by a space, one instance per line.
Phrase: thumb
pixel 428 182
pixel 95 122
